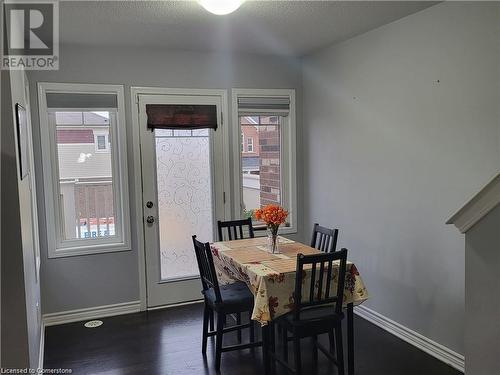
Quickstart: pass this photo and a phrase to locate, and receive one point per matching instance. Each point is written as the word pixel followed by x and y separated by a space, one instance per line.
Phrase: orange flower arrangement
pixel 273 215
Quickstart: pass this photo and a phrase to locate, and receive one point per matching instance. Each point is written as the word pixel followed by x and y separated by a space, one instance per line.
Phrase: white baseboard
pixel 91 313
pixel 175 305
pixel 421 342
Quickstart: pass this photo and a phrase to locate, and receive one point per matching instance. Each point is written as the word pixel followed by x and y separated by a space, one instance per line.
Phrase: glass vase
pixel 272 242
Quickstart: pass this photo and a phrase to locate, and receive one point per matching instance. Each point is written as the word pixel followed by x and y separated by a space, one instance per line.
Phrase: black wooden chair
pixel 317 313
pixel 324 239
pixel 235 229
pixel 221 300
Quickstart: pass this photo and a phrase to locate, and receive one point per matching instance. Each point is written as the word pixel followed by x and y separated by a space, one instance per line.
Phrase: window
pixel 101 143
pixel 85 175
pixel 250 145
pixel 266 121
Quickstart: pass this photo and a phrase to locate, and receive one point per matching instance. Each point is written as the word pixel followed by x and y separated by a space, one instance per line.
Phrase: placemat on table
pixel 283 240
pixel 265 248
pixel 257 241
pixel 249 255
pixel 235 244
pixel 295 248
pixel 283 265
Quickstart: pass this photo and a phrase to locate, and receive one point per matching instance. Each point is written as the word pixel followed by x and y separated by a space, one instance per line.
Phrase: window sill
pixel 88 250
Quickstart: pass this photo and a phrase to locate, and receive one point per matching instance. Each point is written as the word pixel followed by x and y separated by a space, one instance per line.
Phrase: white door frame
pixel 134 97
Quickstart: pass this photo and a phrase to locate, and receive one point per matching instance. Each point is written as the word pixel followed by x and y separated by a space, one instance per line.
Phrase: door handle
pixel 150 219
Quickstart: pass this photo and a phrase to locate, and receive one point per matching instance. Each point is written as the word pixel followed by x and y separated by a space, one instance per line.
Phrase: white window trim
pixel 289 152
pixel 57 246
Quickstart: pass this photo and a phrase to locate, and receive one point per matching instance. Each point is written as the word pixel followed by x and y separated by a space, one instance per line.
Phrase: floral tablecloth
pixel 271 277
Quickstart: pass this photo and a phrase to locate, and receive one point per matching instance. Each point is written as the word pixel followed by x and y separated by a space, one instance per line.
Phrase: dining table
pixel 271 279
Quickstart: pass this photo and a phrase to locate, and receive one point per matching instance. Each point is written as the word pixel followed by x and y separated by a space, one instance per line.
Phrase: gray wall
pixel 482 306
pixel 93 280
pixel 390 153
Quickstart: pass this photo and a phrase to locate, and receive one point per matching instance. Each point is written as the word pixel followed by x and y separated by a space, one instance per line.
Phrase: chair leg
pixel 331 338
pixel 252 329
pixel 211 319
pixel 272 347
pixel 265 348
pixel 340 349
pixel 206 314
pixel 296 353
pixel 314 345
pixel 238 322
pixel 284 337
pixel 218 339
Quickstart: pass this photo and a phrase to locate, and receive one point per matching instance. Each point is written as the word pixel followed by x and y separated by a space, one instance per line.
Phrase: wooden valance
pixel 181 116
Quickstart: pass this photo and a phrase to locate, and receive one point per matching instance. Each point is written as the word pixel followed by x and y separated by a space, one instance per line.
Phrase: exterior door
pixel 183 194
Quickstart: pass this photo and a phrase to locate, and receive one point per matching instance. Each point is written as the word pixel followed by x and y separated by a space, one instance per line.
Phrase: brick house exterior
pixel 264 159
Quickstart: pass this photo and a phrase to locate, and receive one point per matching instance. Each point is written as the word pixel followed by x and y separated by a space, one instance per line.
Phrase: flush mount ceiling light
pixel 221 7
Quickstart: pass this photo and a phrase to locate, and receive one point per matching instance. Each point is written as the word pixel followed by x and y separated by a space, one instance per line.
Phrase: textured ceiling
pixel 267 27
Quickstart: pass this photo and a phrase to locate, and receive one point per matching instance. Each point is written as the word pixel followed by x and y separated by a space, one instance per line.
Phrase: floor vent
pixel 93 323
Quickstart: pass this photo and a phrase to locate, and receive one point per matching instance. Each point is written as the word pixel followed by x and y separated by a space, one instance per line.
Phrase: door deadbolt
pixel 150 219
pixel 149 204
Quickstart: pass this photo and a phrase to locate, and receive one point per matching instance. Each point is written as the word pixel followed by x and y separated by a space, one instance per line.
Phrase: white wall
pixel 400 127
pixel 94 280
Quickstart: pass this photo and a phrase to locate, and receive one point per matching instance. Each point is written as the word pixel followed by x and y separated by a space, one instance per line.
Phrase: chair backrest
pixel 206 267
pixel 324 239
pixel 321 274
pixel 235 229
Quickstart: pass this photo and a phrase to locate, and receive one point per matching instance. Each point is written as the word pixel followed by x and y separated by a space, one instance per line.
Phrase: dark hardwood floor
pixel 169 342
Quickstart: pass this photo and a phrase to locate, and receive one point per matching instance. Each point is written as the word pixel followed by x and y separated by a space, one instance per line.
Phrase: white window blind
pixel 74 101
pixel 265 105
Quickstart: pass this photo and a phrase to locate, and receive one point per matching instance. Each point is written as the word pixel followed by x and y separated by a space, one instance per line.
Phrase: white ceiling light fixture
pixel 221 7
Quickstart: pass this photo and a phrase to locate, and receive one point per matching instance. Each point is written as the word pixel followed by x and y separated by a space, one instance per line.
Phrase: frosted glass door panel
pixel 185 203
